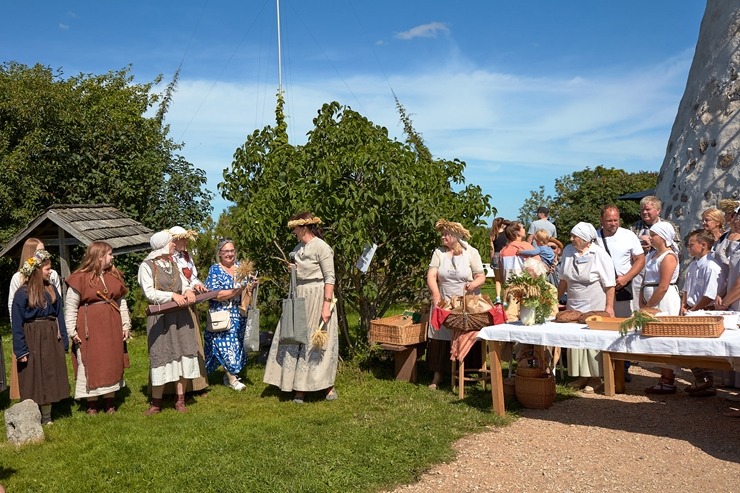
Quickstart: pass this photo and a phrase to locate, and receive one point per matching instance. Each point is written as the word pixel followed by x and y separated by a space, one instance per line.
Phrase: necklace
pixel 105 286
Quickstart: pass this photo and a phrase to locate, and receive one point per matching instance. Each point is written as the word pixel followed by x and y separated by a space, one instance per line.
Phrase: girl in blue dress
pixel 226 348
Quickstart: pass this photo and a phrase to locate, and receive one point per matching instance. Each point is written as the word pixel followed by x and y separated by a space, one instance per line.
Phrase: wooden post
pixel 63 258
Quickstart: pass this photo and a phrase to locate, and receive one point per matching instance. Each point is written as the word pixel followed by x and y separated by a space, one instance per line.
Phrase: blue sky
pixel 523 92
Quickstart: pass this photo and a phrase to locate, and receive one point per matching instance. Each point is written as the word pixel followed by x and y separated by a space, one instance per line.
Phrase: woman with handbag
pixel 98 324
pixel 455 269
pixel 225 347
pixel 171 335
pixel 310 366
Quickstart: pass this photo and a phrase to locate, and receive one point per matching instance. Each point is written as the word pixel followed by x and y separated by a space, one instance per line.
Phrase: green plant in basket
pixel 533 292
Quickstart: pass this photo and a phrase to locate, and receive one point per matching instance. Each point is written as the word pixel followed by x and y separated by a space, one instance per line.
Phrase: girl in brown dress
pixel 40 336
pixel 98 324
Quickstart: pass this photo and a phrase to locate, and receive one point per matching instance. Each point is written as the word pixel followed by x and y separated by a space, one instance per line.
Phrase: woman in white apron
pixel 586 274
pixel 455 269
pixel 659 289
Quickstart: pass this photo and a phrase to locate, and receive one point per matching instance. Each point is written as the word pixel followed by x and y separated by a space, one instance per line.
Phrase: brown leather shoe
pixel 180 406
pixel 155 408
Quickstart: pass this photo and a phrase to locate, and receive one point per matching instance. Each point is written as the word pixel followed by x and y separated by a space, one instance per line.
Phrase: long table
pixel 719 353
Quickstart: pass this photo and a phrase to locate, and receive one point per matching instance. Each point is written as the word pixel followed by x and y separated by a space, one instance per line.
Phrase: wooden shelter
pixel 65 225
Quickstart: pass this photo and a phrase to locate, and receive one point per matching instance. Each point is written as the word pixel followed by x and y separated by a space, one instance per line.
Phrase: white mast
pixel 280 61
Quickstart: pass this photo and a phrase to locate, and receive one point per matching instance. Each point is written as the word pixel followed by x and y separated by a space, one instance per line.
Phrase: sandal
pixel 332 395
pixel 661 388
pixel 700 386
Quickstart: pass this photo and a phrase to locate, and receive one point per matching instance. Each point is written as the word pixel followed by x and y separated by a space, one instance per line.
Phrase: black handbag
pixel 625 293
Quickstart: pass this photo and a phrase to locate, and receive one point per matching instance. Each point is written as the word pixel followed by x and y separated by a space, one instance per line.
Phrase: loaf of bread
pixel 568 316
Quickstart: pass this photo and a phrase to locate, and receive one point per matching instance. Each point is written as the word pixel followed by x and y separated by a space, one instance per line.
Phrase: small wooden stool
pixel 405 358
pixel 484 374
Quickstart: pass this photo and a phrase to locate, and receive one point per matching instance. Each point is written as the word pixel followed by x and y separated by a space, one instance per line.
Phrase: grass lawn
pixel 378 434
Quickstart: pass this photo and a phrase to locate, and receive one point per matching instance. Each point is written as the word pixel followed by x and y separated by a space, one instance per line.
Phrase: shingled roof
pixel 80 224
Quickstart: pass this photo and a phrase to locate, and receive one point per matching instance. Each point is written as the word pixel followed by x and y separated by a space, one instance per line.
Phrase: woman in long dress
pixel 171 335
pixel 30 246
pixel 184 260
pixel 309 368
pixel 40 336
pixel 659 289
pixel 455 269
pixel 586 274
pixel 226 348
pixel 98 324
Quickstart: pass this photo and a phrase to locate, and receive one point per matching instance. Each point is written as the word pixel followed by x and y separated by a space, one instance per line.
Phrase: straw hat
pixel 178 233
pixel 304 222
pixel 456 229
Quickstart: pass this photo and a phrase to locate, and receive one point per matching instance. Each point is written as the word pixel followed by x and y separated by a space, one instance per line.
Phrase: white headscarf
pixel 160 243
pixel 665 231
pixel 584 231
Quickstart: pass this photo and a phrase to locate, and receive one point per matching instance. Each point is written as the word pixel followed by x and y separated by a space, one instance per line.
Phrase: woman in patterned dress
pixel 226 348
pixel 308 368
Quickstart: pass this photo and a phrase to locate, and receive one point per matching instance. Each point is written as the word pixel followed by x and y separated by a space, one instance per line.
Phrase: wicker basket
pixel 522 368
pixel 685 327
pixel 399 329
pixel 509 388
pixel 535 393
pixel 465 321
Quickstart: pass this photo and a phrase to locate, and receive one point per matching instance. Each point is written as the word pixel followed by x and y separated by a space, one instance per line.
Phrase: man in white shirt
pixel 542 223
pixel 627 255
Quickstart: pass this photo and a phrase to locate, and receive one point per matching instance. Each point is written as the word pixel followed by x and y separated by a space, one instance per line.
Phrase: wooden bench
pixel 405 358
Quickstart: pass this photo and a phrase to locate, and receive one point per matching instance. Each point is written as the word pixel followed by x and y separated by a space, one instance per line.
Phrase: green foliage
pixel 536 199
pixel 87 139
pixel 366 187
pixel 581 195
pixel 533 292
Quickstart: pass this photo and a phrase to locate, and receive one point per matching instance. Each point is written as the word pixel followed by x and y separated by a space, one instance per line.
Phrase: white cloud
pixel 423 31
pixel 63 26
pixel 516 133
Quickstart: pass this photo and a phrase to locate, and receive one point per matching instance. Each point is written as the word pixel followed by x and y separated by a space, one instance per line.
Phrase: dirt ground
pixel 626 443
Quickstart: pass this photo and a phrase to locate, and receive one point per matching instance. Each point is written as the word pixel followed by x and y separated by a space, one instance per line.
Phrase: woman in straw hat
pixel 313 367
pixel 40 336
pixel 455 269
pixel 172 338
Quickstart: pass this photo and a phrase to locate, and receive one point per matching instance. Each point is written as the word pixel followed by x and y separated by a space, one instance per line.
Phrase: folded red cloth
pixel 438 317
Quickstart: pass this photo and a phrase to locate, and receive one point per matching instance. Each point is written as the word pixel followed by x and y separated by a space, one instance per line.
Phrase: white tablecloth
pixel 579 336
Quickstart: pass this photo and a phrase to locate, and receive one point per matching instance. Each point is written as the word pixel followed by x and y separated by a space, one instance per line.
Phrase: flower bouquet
pixel 536 296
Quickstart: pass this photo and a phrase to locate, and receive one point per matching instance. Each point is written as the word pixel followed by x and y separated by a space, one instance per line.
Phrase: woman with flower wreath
pixel 98 324
pixel 309 368
pixel 172 338
pixel 40 336
pixel 30 246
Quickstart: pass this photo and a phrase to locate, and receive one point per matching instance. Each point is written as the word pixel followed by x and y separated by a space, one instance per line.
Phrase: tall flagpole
pixel 280 61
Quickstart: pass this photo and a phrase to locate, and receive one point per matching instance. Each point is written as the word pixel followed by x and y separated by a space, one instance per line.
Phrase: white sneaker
pixel 236 384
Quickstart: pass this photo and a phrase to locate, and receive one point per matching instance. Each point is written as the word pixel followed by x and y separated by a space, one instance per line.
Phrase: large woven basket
pixel 400 330
pixel 465 321
pixel 524 370
pixel 535 393
pixel 684 327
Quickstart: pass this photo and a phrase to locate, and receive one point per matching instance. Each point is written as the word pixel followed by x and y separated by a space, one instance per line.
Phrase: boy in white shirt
pixel 699 292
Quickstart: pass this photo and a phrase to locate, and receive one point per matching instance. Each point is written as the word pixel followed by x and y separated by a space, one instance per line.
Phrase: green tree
pixel 536 199
pixel 581 195
pixel 367 187
pixel 88 139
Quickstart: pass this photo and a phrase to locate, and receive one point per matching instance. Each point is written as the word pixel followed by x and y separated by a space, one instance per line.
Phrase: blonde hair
pixel 715 215
pixel 541 236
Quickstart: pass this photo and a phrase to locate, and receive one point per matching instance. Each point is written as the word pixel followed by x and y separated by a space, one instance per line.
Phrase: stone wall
pixel 702 161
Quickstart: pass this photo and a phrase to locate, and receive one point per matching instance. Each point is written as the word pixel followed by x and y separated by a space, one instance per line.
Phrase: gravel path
pixel 626 443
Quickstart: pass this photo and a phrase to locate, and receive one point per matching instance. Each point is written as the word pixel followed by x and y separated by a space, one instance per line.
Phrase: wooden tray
pixel 606 323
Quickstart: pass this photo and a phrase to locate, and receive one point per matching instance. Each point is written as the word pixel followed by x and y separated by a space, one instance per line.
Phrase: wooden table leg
pixel 619 376
pixel 405 364
pixel 497 381
pixel 608 373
